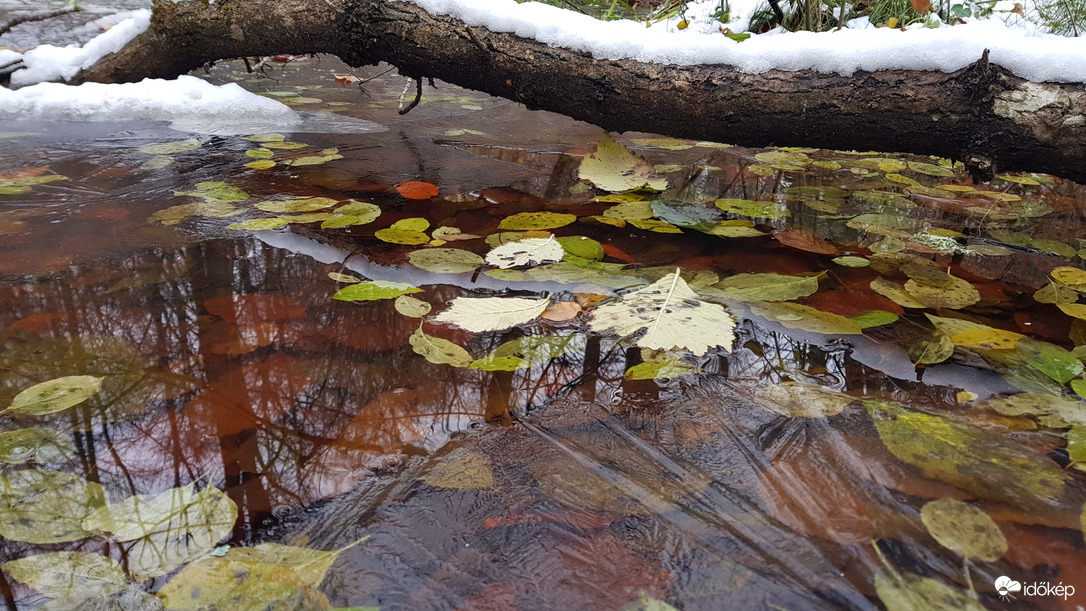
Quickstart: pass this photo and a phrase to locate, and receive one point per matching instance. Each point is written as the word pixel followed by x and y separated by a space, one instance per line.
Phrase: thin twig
pixel 4 29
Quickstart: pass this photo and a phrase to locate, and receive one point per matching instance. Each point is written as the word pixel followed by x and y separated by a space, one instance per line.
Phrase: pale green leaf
pixel 345 278
pixel 46 506
pixel 439 351
pixel 374 289
pixel 638 210
pixel 1050 359
pixel 665 368
pixel 411 307
pixel 909 592
pixel 54 395
pixel 525 252
pixel 931 350
pixel 166 530
pixel 445 260
pixel 851 261
pixel 460 470
pixel 395 235
pixel 170 148
pixel 671 315
pixel 962 528
pixel 580 246
pixel 797 400
pixel 1051 411
pixel 296 204
pixel 873 318
pixel 753 209
pixel 260 153
pixel 806 318
pixel 612 167
pixel 258 224
pixel 68 576
pixel 479 314
pixel 157 163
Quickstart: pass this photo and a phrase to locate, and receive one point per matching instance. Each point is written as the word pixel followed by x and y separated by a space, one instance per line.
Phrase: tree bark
pixel 983 114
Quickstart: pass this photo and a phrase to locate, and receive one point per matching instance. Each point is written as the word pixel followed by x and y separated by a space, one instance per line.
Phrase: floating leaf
pixel 414 189
pixel 176 214
pixel 261 164
pixel 1059 294
pixel 753 209
pixel 657 226
pixel 36 444
pixel 346 278
pixel 258 224
pixel 528 221
pixel 972 459
pixel 411 307
pixel 325 156
pixel 480 314
pixel 895 292
pixel 670 144
pixel 374 289
pixel 1052 411
pixel 987 338
pixel 1076 310
pixel 268 137
pixel 439 351
pixel 1079 386
pixel 170 148
pixel 461 470
pixel 260 153
pixel 874 318
pixel 46 506
pixel 55 395
pixel 532 350
pixel 1070 276
pixel 1053 361
pixel 797 400
pixel 296 204
pixel 631 211
pixel 286 146
pixel 395 235
pixel 166 530
pixel 806 318
pixel 955 294
pixel 68 576
pixel 215 191
pixel 962 528
pixel 308 217
pixel 766 287
pixel 499 363
pixel 930 169
pixel 526 252
pixel 672 316
pixel 852 261
pixel 612 167
pixel 257 578
pixel 580 246
pixel 561 311
pixel 659 368
pixel 931 350
pixel 446 260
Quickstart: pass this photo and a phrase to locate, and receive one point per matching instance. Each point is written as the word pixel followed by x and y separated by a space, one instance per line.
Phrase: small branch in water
pixel 4 29
pixel 418 96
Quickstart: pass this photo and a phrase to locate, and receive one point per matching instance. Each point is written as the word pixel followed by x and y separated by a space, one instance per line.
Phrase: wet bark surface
pixel 983 114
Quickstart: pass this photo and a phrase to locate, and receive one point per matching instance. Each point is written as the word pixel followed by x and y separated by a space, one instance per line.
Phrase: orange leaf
pixel 26 172
pixel 921 6
pixel 617 253
pixel 414 189
pixel 563 310
pixel 346 79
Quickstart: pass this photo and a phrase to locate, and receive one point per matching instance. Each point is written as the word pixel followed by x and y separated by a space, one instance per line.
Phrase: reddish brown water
pixel 562 484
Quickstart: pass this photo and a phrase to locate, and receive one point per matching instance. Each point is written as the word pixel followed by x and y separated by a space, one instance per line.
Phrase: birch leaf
pixel 672 316
pixel 526 252
pixel 439 351
pixel 612 167
pixel 962 528
pixel 375 289
pixel 445 260
pixel 479 314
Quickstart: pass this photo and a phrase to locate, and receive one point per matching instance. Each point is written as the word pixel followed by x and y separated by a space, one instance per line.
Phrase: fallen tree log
pixel 983 114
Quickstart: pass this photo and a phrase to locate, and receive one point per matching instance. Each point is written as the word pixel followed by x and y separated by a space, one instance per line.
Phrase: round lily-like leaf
pixel 528 221
pixel 411 307
pixel 55 395
pixel 445 260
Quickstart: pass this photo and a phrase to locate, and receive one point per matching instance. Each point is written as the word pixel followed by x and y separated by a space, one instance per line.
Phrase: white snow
pixel 50 63
pixel 1021 48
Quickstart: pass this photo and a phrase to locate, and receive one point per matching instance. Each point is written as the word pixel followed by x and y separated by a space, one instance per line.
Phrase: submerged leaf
pixel 612 167
pixel 461 470
pixel 267 576
pixel 672 316
pixel 797 400
pixel 663 368
pixel 36 444
pixel 909 592
pixel 480 314
pixel 170 148
pixel 445 260
pixel 767 287
pixel 806 318
pixel 962 528
pixel 972 459
pixel 55 395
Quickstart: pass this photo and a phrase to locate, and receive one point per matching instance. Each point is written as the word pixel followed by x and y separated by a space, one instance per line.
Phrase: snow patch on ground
pixel 1022 49
pixel 50 63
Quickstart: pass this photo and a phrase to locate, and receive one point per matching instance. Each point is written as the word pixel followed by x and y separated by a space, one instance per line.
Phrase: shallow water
pixel 785 469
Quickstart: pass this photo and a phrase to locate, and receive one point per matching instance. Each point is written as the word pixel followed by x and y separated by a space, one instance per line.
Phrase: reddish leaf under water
pixel 805 240
pixel 414 189
pixel 617 253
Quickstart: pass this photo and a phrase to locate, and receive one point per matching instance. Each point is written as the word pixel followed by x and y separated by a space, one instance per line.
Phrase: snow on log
pixel 982 114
